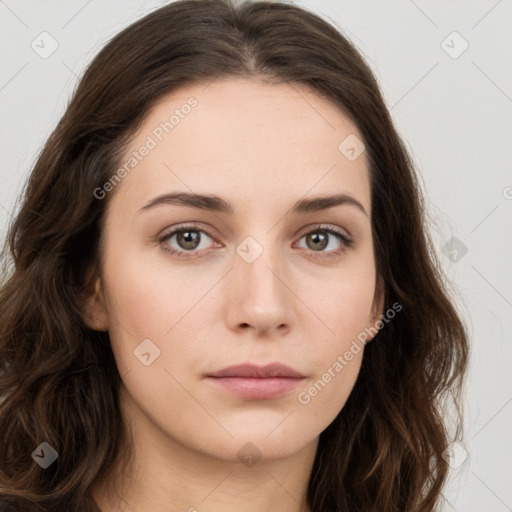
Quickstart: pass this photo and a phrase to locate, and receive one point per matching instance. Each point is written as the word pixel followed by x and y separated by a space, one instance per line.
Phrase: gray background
pixel 453 109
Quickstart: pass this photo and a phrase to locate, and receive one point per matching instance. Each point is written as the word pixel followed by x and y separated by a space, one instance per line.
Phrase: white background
pixel 455 115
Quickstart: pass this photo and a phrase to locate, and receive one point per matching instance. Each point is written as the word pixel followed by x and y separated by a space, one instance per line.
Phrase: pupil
pixel 319 238
pixel 189 238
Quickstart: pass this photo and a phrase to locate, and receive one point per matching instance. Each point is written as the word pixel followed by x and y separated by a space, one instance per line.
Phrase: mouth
pixel 256 382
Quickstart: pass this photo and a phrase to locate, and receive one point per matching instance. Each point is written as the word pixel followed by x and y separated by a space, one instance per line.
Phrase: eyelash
pixel 346 242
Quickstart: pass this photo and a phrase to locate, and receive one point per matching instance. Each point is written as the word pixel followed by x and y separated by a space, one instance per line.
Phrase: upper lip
pixel 262 372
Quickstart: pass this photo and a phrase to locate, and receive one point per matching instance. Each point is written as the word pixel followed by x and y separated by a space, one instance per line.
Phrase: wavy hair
pixel 58 379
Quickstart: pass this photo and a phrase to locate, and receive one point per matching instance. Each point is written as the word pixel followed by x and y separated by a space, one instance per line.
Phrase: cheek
pixel 325 395
pixel 344 301
pixel 345 307
pixel 148 302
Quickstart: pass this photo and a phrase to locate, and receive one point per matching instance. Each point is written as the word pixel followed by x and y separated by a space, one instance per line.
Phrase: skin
pixel 261 147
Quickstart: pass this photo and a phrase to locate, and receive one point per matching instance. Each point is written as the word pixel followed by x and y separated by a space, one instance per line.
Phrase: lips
pixel 258 372
pixel 256 382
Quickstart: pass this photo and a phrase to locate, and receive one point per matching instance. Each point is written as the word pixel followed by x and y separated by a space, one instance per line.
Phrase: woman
pixel 223 292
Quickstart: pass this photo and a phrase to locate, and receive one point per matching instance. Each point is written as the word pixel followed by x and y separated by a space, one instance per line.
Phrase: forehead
pixel 242 138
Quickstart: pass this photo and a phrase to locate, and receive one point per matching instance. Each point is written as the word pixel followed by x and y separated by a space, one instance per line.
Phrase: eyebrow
pixel 217 204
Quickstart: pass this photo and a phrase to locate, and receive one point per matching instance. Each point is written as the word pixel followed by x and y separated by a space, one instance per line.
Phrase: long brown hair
pixel 58 379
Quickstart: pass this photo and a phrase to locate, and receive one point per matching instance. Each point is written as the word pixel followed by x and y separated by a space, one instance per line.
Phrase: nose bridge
pixel 261 297
pixel 258 262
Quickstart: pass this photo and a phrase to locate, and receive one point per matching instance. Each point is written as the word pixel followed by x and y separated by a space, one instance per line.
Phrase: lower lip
pixel 256 388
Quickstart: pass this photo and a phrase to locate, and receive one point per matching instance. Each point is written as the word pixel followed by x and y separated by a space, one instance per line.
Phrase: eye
pixel 188 239
pixel 321 238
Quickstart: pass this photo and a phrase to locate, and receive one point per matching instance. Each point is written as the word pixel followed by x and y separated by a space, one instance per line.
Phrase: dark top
pixel 6 505
pixel 13 505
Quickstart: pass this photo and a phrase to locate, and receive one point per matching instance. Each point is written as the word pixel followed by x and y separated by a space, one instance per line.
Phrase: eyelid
pixel 303 231
pixel 323 226
pixel 166 233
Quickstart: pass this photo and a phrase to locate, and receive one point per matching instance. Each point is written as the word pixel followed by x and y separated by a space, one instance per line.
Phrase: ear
pixel 94 313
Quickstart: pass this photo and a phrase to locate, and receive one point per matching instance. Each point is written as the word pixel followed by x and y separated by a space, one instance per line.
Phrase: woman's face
pixel 259 278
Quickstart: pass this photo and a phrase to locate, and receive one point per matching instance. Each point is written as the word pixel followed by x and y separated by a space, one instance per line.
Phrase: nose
pixel 260 298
